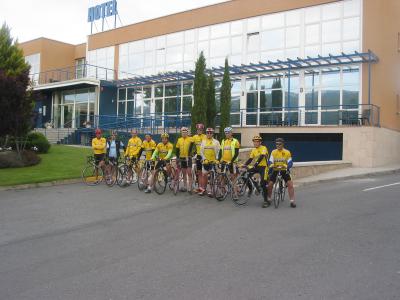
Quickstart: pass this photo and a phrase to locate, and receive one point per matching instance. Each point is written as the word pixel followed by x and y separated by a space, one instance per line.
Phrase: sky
pixel 66 20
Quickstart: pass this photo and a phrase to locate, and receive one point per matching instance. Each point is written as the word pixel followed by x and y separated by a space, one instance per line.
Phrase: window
pixel 292 36
pixel 351 28
pixel 253 41
pixel 273 21
pixel 220 30
pixel 219 47
pixel 273 39
pixel 331 11
pixel 312 34
pixel 331 31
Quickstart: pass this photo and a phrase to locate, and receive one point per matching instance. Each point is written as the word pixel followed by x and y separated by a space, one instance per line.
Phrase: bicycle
pixel 160 178
pixel 223 184
pixel 111 172
pixel 92 174
pixel 242 183
pixel 144 174
pixel 177 176
pixel 279 189
pixel 127 172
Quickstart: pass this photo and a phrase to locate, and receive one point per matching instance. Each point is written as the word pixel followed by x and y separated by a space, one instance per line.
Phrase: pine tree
pixel 211 105
pixel 16 100
pixel 225 100
pixel 199 110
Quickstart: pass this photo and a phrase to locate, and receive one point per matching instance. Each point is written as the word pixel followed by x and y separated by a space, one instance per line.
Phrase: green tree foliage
pixel 11 57
pixel 276 95
pixel 199 93
pixel 16 99
pixel 225 100
pixel 211 105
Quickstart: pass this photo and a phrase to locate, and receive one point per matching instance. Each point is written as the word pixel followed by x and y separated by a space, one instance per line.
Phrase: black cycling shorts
pixel 98 158
pixel 198 163
pixel 207 167
pixel 185 163
pixel 233 169
pixel 149 165
pixel 162 163
pixel 285 176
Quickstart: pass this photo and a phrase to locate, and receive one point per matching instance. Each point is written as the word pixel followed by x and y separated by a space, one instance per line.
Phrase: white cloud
pixel 66 20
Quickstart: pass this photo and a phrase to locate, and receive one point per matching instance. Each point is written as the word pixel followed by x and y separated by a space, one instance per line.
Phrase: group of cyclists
pixel 206 152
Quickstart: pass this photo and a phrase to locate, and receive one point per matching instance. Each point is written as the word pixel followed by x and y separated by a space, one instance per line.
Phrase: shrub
pixel 38 140
pixel 9 159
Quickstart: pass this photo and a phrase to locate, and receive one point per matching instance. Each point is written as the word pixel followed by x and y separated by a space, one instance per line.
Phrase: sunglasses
pixel 279 144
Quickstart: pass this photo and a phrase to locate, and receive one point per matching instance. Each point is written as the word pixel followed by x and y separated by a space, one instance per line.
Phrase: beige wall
pixel 80 51
pixel 362 146
pixel 54 54
pixel 380 34
pixel 214 14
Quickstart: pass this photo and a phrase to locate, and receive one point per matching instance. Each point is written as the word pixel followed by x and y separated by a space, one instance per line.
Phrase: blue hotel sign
pixel 107 9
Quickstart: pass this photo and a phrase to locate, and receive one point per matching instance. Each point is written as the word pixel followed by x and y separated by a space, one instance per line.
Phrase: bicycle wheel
pixel 221 188
pixel 277 195
pixel 282 188
pixel 175 181
pixel 241 184
pixel 110 175
pixel 92 175
pixel 122 177
pixel 143 179
pixel 160 181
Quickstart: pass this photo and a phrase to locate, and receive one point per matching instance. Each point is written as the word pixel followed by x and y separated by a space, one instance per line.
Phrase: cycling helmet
pixel 257 138
pixel 199 126
pixel 228 129
pixel 210 130
pixel 184 129
pixel 280 140
pixel 98 131
pixel 164 135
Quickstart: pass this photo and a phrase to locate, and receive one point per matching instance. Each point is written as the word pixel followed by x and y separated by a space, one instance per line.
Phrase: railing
pixel 74 72
pixel 344 115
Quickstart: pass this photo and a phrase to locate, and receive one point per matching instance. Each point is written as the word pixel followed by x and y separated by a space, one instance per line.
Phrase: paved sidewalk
pixel 347 173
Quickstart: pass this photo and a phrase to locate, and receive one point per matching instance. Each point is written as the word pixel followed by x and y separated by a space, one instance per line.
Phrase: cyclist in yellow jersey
pixel 228 155
pixel 259 155
pixel 197 139
pixel 99 146
pixel 280 160
pixel 209 151
pixel 229 150
pixel 162 154
pixel 134 146
pixel 184 160
pixel 148 147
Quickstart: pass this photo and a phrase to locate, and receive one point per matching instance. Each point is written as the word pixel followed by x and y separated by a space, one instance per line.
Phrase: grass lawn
pixel 61 162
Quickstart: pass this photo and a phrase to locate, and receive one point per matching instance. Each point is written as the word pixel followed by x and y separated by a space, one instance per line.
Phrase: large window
pixel 101 63
pixel 34 61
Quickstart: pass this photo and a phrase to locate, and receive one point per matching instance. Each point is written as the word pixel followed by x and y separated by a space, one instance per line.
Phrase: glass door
pixel 67 115
pixel 312 97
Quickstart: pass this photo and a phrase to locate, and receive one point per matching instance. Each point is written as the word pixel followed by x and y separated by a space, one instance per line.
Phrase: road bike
pixel 127 172
pixel 279 189
pixel 245 184
pixel 92 174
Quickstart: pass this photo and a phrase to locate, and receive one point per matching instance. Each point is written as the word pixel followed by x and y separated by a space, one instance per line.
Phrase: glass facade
pixel 101 63
pixel 34 61
pixel 314 96
pixel 317 30
pixel 75 108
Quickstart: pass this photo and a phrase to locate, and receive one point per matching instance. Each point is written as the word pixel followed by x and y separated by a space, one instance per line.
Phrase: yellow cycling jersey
pixel 99 145
pixel 280 158
pixel 163 150
pixel 257 152
pixel 226 148
pixel 148 147
pixel 183 144
pixel 133 147
pixel 209 150
pixel 197 139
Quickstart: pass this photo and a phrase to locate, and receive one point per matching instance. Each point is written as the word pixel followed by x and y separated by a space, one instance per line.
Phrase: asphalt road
pixel 78 242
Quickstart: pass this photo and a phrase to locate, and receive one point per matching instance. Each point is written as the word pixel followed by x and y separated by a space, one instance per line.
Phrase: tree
pixel 16 98
pixel 225 100
pixel 211 105
pixel 276 95
pixel 199 93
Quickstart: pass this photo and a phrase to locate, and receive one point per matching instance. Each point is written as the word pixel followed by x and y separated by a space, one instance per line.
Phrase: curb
pixel 370 174
pixel 40 184
pixel 296 185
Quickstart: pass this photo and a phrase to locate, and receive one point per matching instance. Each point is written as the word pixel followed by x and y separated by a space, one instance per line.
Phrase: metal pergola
pixel 256 68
